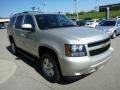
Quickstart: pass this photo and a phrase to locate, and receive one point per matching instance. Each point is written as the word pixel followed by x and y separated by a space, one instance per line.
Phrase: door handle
pixel 23 35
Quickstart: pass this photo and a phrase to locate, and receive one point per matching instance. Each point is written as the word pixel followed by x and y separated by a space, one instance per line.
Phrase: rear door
pixel 18 34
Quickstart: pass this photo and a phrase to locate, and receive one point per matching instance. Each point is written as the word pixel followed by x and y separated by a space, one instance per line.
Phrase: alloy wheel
pixel 48 67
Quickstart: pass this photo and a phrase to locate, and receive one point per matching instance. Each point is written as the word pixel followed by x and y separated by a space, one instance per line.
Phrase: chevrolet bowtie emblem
pixel 104 45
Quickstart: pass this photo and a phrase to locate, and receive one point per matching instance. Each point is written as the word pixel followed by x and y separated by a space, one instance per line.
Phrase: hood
pixel 79 33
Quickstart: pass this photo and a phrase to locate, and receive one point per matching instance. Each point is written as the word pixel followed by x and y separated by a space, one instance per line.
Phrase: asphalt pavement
pixel 21 73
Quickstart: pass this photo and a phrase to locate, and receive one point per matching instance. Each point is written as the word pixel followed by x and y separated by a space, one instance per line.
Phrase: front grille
pixel 98 42
pixel 99 51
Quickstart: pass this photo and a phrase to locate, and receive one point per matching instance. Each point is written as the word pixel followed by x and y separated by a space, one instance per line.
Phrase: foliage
pixel 93 14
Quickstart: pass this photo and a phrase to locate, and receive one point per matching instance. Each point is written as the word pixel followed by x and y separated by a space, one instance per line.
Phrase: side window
pixel 118 23
pixel 12 19
pixel 29 20
pixel 18 22
pixel 97 21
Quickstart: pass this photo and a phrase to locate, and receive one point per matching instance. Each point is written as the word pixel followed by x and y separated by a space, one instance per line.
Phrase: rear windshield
pixel 108 23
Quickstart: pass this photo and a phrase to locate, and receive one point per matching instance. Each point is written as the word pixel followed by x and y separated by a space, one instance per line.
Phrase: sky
pixel 9 7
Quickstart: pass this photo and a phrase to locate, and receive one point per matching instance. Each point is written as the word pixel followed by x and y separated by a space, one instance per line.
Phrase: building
pixel 3 23
pixel 112 7
pixel 4 20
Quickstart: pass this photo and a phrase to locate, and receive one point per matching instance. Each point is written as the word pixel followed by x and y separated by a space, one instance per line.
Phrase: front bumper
pixel 74 66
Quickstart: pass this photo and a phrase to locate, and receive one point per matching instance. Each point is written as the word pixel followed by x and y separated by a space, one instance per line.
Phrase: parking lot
pixel 27 76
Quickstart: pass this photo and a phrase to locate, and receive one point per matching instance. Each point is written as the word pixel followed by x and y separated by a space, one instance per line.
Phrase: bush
pixel 93 14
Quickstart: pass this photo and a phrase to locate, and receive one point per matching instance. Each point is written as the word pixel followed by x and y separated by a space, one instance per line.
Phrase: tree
pixel 81 13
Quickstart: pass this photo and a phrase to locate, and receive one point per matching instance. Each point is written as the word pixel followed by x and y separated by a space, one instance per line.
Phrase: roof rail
pixel 32 12
pixel 36 12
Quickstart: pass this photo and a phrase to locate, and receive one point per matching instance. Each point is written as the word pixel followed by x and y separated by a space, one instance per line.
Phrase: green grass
pixel 114 13
pixel 96 15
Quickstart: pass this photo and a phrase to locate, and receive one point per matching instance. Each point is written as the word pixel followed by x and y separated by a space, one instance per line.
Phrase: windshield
pixel 108 23
pixel 46 21
pixel 91 21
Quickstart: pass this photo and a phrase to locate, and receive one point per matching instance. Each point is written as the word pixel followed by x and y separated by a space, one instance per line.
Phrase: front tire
pixel 114 35
pixel 49 68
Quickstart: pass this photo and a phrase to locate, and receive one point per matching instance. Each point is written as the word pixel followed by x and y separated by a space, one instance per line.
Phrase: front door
pixel 29 40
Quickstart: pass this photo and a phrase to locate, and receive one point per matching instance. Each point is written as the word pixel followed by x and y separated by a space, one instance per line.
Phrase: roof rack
pixel 36 12
pixel 32 12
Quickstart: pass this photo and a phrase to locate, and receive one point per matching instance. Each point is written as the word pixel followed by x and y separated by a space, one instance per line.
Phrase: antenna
pixel 76 9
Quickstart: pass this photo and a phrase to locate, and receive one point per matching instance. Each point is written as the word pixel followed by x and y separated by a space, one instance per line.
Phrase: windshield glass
pixel 108 23
pixel 91 21
pixel 46 21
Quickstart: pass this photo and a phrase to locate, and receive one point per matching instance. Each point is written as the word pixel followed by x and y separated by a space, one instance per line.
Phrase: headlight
pixel 75 50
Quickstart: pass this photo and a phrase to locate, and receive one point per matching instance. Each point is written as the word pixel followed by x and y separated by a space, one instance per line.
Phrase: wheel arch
pixel 11 38
pixel 46 49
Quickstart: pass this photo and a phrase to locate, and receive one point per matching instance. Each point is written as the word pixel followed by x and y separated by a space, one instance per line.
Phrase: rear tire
pixel 13 47
pixel 49 68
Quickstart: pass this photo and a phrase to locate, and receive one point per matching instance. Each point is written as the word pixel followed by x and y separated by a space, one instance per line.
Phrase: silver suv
pixel 63 48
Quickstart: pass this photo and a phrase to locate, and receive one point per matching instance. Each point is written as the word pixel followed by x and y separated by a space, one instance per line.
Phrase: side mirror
pixel 27 27
pixel 118 25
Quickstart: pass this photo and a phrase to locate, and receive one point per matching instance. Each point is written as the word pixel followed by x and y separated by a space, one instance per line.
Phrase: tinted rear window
pixel 18 22
pixel 12 20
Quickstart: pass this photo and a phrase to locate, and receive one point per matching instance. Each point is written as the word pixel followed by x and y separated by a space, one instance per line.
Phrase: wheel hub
pixel 48 67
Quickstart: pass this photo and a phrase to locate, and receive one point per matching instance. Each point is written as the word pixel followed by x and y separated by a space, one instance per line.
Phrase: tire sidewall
pixel 114 34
